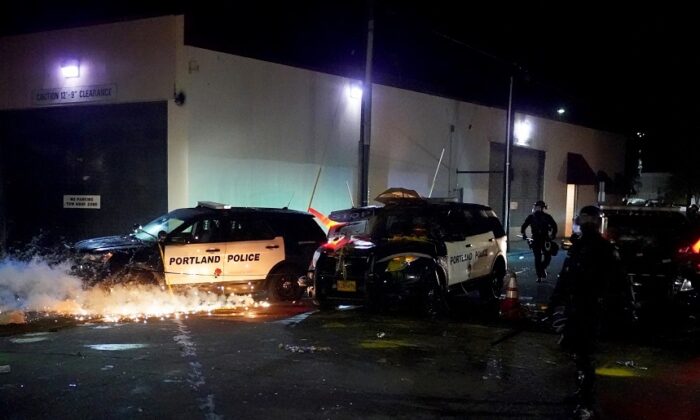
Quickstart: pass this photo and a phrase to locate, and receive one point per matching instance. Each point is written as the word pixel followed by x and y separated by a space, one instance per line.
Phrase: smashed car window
pixel 348 229
pixel 165 223
pixel 398 224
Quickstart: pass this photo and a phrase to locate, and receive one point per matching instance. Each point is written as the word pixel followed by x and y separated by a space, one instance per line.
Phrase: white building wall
pixel 138 57
pixel 255 133
pixel 259 133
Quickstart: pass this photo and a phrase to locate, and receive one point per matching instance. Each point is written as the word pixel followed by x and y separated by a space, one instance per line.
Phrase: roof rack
pixel 213 205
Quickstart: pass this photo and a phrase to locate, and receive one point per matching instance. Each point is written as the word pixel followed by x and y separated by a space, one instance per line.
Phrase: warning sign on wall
pixel 74 94
pixel 81 202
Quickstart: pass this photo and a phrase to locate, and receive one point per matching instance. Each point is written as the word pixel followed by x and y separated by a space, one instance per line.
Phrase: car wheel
pixel 283 285
pixel 490 291
pixel 434 297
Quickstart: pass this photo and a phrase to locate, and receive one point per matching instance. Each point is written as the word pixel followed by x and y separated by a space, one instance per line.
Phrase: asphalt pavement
pixel 291 361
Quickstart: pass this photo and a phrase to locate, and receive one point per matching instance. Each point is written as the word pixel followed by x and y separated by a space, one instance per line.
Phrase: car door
pixel 253 250
pixel 459 252
pixel 480 240
pixel 194 253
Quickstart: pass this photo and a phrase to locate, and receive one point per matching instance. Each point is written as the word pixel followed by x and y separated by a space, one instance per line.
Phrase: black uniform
pixel 590 275
pixel 543 228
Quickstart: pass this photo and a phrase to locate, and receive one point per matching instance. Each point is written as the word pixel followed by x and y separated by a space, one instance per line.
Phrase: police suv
pixel 236 250
pixel 413 250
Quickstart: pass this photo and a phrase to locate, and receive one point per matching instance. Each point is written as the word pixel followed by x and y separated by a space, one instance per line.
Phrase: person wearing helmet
pixel 591 270
pixel 543 230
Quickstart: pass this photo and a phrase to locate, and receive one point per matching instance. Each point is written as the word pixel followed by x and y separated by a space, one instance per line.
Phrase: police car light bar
pixel 213 205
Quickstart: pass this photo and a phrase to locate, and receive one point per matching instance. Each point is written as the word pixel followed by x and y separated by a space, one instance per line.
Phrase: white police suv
pixel 232 249
pixel 412 250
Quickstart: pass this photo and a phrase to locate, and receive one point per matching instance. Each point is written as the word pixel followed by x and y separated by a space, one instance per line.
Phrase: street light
pixel 70 68
pixel 561 111
pixel 523 131
pixel 354 91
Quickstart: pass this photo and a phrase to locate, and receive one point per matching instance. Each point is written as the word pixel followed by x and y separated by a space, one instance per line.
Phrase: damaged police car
pixel 235 250
pixel 415 250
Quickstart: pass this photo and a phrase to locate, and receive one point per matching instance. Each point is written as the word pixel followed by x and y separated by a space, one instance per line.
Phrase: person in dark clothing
pixel 543 229
pixel 591 272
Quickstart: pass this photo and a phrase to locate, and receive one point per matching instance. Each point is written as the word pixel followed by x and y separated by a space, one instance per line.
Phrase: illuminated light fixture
pixel 354 91
pixel 523 130
pixel 70 68
pixel 561 111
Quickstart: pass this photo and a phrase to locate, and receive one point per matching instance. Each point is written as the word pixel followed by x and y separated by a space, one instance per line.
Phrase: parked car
pixel 250 250
pixel 648 239
pixel 410 250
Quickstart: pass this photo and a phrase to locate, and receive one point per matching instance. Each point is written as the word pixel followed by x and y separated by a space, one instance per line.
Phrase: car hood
pixel 109 243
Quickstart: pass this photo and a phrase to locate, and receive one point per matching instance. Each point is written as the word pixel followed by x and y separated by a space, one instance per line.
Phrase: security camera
pixel 180 98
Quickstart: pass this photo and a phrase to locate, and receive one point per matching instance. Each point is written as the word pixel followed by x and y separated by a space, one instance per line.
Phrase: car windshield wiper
pixel 138 228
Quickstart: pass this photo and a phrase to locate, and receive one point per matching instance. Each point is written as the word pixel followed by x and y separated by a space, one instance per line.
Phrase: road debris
pixel 302 349
pixel 631 364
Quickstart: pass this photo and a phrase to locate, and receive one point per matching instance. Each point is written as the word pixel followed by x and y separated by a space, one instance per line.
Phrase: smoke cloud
pixel 36 286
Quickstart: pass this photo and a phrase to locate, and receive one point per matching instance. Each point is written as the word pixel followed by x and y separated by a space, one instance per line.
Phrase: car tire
pixel 490 290
pixel 434 297
pixel 283 286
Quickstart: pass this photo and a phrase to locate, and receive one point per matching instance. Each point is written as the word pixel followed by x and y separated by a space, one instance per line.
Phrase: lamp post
pixel 507 164
pixel 366 115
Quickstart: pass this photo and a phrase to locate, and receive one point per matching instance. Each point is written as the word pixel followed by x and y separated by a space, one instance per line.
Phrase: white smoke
pixel 36 286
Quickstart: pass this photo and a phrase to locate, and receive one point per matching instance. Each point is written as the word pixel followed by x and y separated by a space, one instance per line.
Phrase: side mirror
pixel 161 236
pixel 136 226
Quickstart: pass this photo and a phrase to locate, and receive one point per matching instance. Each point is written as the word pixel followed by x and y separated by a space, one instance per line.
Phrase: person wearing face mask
pixel 543 230
pixel 591 270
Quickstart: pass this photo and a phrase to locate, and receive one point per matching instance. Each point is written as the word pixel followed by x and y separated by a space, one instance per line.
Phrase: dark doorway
pixel 117 153
pixel 526 184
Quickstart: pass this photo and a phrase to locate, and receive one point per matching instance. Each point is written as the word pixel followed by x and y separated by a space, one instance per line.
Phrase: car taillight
pixel 335 243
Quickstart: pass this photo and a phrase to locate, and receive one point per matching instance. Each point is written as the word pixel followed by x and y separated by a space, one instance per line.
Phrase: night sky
pixel 619 69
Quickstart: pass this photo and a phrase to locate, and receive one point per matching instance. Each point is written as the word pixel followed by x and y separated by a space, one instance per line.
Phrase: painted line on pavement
pixel 195 378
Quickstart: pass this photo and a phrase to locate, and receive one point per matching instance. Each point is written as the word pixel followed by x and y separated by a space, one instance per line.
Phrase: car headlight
pixel 400 263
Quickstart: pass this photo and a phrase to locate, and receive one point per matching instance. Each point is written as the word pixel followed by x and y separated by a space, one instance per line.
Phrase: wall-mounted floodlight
pixel 70 68
pixel 522 131
pixel 354 91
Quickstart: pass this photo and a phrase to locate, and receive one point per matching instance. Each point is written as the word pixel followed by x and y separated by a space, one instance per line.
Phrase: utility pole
pixel 366 113
pixel 506 164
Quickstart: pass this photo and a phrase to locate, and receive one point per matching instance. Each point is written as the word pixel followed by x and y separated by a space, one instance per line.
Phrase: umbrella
pixel 394 194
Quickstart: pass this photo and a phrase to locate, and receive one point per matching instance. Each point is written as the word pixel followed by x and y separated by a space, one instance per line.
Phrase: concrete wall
pixel 258 133
pixel 255 133
pixel 138 57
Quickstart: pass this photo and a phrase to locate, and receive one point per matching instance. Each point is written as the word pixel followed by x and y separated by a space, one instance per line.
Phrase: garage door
pixel 526 184
pixel 79 171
